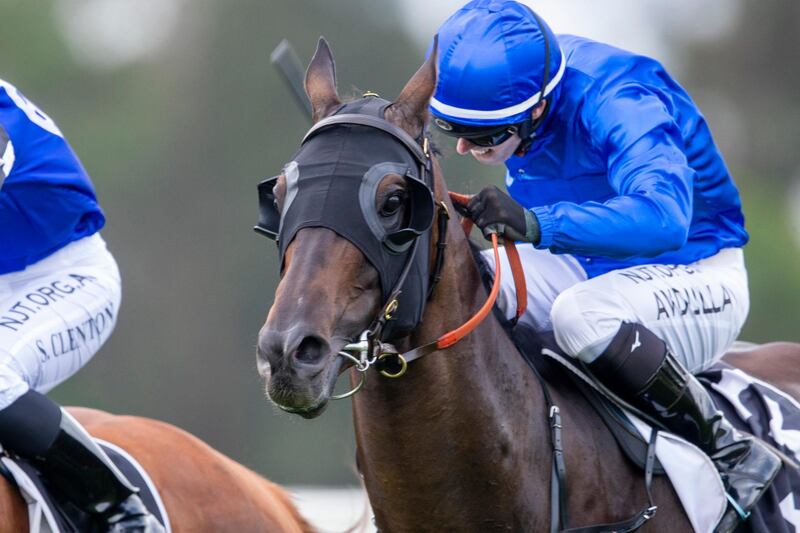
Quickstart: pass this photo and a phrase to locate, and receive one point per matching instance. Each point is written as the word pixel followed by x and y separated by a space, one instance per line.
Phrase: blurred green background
pixel 177 114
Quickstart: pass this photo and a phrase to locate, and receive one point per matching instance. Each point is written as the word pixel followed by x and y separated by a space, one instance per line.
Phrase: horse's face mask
pixel 339 166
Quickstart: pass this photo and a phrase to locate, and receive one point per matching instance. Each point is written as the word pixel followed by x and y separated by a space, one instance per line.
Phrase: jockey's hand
pixel 493 211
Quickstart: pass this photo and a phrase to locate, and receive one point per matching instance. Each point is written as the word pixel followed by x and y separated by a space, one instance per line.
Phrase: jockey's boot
pixel 73 464
pixel 638 366
pixel 77 467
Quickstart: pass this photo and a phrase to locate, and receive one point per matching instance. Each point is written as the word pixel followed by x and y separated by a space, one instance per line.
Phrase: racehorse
pixel 202 490
pixel 461 442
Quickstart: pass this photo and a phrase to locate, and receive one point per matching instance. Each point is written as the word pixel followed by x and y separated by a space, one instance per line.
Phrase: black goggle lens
pixel 493 139
pixel 480 136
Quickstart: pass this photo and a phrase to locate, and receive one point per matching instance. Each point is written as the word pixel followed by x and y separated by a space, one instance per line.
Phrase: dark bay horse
pixel 461 441
pixel 202 490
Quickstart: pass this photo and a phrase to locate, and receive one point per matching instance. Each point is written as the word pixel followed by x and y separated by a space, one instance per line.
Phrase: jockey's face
pixel 498 154
pixel 495 155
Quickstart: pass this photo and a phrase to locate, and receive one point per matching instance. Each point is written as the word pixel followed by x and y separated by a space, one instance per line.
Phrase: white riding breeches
pixel 697 309
pixel 55 315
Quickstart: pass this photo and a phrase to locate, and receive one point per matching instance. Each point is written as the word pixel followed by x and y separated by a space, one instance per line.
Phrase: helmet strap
pixel 527 130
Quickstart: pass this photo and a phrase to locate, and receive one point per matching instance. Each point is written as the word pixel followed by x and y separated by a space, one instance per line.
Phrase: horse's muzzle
pixel 295 365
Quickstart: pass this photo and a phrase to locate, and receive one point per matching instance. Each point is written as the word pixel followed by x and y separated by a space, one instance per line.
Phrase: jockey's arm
pixel 27 224
pixel 648 170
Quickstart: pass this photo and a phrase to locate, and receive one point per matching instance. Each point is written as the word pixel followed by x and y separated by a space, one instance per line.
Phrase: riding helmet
pixel 491 56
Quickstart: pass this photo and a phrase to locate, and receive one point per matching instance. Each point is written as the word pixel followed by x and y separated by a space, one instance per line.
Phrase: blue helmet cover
pixel 491 63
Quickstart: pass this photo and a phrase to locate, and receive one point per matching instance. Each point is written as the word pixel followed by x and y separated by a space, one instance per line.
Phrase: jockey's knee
pixel 582 324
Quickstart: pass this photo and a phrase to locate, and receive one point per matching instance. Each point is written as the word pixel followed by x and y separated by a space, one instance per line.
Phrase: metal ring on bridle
pixel 403 365
pixel 361 367
pixel 390 309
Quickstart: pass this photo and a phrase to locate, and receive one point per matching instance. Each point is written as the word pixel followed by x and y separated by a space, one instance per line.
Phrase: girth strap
pixel 558 479
pixel 638 520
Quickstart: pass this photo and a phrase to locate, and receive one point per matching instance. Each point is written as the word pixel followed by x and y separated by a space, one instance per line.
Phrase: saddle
pixel 751 405
pixel 49 512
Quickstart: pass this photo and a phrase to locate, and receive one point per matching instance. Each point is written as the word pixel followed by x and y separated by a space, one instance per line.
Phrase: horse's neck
pixel 474 406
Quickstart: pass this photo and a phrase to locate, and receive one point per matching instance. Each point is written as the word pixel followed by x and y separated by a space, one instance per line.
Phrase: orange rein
pixel 452 337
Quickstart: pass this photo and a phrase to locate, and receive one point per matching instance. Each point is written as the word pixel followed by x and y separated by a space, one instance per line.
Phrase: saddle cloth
pixel 750 405
pixel 49 513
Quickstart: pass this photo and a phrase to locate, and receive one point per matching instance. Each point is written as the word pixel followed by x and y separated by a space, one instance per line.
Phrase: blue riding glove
pixel 493 211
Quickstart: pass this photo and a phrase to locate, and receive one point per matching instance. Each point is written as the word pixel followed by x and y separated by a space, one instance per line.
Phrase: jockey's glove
pixel 493 211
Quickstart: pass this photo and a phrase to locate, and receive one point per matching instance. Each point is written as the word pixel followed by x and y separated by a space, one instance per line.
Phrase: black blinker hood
pixel 332 182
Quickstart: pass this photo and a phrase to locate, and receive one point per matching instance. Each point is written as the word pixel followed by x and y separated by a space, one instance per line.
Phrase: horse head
pixel 351 213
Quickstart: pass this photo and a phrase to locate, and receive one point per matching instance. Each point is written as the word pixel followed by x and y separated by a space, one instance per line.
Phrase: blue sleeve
pixel 647 167
pixel 36 219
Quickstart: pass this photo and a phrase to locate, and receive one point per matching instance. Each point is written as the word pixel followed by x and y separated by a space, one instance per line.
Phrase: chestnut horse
pixel 461 442
pixel 202 490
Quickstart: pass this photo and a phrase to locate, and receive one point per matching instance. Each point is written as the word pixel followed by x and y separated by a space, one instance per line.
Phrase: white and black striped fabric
pixel 771 415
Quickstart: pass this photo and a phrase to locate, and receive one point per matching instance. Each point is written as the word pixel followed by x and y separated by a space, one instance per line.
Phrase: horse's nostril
pixel 311 350
pixel 270 347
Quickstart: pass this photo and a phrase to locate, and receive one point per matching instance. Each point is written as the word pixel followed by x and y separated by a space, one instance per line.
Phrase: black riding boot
pixel 36 428
pixel 638 366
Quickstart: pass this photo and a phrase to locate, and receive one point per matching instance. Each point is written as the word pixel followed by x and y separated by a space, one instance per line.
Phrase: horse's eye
pixel 392 203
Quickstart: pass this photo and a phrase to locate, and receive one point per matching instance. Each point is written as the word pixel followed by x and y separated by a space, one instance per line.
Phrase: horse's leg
pixel 202 489
pixel 777 363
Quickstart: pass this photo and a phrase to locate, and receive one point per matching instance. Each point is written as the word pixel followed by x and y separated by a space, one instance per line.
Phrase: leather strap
pixel 372 122
pixel 520 287
pixel 441 246
pixel 639 519
pixel 558 480
pixel 514 261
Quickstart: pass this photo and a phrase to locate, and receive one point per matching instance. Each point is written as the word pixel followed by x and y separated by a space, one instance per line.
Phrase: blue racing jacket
pixel 46 198
pixel 624 171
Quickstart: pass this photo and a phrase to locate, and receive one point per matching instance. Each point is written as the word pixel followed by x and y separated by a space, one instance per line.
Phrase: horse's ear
pixel 321 82
pixel 410 110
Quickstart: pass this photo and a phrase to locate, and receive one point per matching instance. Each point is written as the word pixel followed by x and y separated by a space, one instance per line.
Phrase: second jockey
pixel 59 298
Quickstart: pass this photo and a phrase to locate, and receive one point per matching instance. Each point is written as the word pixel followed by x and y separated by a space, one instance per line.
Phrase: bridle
pixel 369 350
pixel 373 348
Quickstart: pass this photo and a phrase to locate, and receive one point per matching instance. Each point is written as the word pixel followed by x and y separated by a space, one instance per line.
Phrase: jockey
pixel 635 226
pixel 59 297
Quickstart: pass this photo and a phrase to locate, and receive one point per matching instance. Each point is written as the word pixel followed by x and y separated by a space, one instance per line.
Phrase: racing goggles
pixel 483 136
